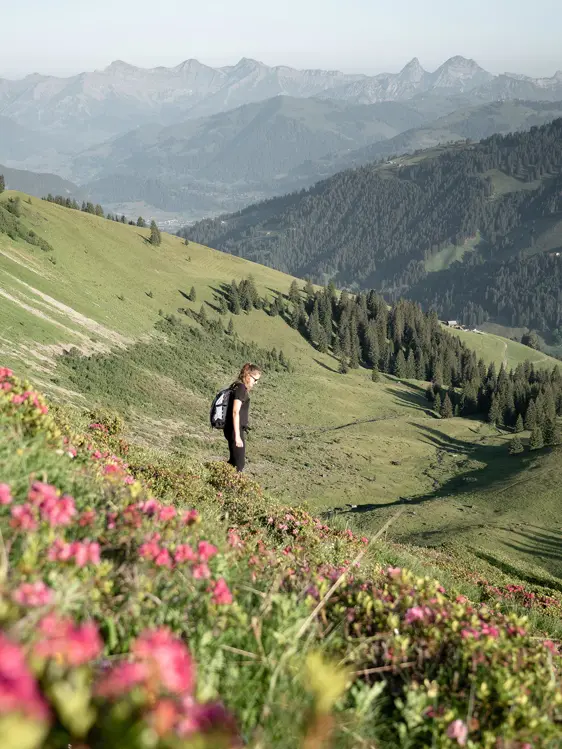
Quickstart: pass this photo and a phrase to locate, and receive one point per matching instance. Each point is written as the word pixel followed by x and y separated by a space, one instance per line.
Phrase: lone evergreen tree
pixel 515 446
pixel 155 236
pixel 375 375
pixel 536 440
pixel 141 222
pixel 192 294
pixel 519 425
pixel 230 329
pixel 446 409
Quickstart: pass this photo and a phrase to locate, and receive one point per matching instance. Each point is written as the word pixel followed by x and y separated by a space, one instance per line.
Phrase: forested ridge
pixel 379 226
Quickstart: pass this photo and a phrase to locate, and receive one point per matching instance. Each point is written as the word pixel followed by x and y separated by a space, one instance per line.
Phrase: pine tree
pixel 2 183
pixel 99 210
pixel 515 446
pixel 549 432
pixel 531 416
pixel 234 298
pixel 494 414
pixel 375 375
pixel 536 440
pixel 309 288
pixel 322 340
pixel 399 366
pixel 294 294
pixel 202 315
pixel 141 223
pixel 230 329
pixel 192 294
pixel 223 306
pixel 344 369
pixel 295 317
pixel 519 425
pixel 437 402
pixel 155 236
pixel 446 409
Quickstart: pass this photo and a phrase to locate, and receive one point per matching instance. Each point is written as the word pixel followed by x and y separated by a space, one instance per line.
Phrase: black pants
pixel 237 457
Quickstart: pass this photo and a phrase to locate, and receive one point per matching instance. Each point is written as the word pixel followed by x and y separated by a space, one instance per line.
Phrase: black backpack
pixel 219 408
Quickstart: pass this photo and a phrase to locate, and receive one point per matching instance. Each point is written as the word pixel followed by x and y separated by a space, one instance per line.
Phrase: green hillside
pixel 470 230
pixel 328 440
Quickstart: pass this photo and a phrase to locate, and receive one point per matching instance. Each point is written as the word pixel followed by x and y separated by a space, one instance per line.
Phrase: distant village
pixel 459 326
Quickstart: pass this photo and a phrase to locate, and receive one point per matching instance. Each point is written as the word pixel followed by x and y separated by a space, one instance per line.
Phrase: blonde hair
pixel 247 370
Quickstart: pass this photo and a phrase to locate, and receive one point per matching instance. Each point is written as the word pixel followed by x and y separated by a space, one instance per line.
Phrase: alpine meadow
pixel 281 376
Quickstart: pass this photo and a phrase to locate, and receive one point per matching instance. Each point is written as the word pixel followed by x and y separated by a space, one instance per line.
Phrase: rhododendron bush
pixel 145 604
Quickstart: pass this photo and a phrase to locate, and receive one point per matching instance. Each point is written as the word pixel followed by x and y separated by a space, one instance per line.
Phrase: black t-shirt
pixel 239 392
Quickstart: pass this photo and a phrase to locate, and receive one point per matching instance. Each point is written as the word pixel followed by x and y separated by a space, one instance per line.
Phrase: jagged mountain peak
pixel 412 71
pixel 458 61
pixel 120 66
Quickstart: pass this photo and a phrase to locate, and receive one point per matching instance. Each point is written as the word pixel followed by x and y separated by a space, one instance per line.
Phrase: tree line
pixel 363 331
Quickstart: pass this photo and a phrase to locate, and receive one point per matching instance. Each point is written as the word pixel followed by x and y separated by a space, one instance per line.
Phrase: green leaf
pixel 19 732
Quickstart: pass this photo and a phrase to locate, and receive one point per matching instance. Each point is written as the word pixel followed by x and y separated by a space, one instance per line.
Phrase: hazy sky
pixel 64 37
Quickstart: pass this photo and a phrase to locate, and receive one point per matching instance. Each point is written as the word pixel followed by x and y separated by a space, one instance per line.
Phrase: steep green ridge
pixel 380 225
pixel 320 437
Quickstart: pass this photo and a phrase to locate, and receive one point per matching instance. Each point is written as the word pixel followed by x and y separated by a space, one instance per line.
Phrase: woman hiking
pixel 236 424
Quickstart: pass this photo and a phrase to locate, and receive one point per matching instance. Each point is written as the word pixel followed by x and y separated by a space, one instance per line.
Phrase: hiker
pixel 236 424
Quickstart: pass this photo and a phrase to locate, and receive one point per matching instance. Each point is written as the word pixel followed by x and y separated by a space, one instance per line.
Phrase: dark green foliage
pixel 437 403
pixel 13 206
pixel 344 368
pixel 402 217
pixel 519 425
pixel 141 222
pixel 375 375
pixel 234 298
pixel 11 225
pixel 446 409
pixel 536 441
pixel 149 294
pixel 531 340
pixel 515 446
pixel 192 294
pixel 195 359
pixel 230 329
pixel 99 211
pixel 2 183
pixel 223 306
pixel 531 416
pixel 155 236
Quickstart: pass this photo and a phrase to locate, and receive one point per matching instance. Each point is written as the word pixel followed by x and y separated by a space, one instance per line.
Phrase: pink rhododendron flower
pixel 6 386
pixel 163 558
pixel 206 551
pixel 190 517
pixel 87 518
pixel 221 592
pixel 184 553
pixel 71 643
pixel 459 731
pixel 166 513
pixel 150 507
pixel 234 539
pixel 41 492
pixel 206 718
pixel 5 495
pixel 418 614
pixel 5 373
pixel 85 552
pixel 121 679
pixel 168 659
pixel 201 572
pixel 23 518
pixel 33 594
pixel 18 689
pixel 58 511
pixel 394 572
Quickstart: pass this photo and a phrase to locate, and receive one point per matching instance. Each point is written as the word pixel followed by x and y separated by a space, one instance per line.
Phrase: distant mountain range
pixel 123 96
pixel 197 140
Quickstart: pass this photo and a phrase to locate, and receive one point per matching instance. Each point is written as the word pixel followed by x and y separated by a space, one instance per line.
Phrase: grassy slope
pixel 320 438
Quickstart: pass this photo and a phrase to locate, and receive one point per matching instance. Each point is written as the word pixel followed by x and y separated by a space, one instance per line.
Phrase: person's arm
pixel 236 420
